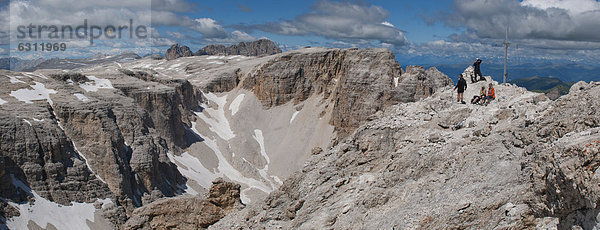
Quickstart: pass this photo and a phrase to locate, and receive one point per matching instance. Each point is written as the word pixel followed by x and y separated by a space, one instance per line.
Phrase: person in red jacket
pixel 491 93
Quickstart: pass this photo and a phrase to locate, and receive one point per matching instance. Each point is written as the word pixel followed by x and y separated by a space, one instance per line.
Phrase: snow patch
pixel 81 97
pixel 39 92
pixel 31 75
pixel 44 212
pixel 2 102
pixel 235 104
pixel 396 81
pixel 258 136
pixel 27 121
pixel 98 83
pixel 245 199
pixel 14 80
pixel 192 168
pixel 216 62
pixel 175 66
pixel 217 122
pixel 294 116
pixel 224 168
pixel 38 120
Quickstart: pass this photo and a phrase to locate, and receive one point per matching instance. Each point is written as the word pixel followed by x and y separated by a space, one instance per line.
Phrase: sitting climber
pixel 491 94
pixel 481 98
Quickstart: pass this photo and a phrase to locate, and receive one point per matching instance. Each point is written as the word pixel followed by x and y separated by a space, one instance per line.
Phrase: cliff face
pixel 254 48
pixel 357 83
pixel 104 135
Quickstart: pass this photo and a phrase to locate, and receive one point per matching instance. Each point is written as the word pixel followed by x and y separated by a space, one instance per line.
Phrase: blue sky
pixel 407 15
pixel 418 32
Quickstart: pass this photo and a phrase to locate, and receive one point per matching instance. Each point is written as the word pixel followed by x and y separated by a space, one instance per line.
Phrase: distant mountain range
pixel 16 64
pixel 566 72
pixel 553 87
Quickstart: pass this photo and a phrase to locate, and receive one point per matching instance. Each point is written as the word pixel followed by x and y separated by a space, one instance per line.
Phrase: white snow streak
pixel 98 83
pixel 192 169
pixel 217 122
pixel 235 104
pixel 81 97
pixel 258 136
pixel 294 116
pixel 14 80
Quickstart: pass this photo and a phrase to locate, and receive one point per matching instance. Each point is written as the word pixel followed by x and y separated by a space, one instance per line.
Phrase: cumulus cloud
pixel 549 20
pixel 209 28
pixel 176 34
pixel 234 37
pixel 343 21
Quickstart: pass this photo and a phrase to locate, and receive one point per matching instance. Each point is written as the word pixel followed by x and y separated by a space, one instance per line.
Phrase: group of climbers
pixel 485 95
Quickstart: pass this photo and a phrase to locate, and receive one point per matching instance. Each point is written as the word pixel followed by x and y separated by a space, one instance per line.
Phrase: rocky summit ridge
pixel 311 138
pixel 521 162
pixel 255 48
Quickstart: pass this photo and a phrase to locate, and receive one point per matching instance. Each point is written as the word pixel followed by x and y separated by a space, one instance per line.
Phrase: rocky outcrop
pixel 358 83
pixel 168 105
pixel 521 162
pixel 176 51
pixel 417 83
pixel 40 155
pixel 189 212
pixel 103 145
pixel 254 48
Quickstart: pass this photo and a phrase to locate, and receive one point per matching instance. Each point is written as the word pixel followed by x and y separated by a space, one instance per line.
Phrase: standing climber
pixel 477 65
pixel 461 86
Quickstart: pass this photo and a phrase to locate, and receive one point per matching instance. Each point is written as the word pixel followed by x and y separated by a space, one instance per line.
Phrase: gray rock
pixel 176 51
pixel 255 48
pixel 399 176
pixel 188 212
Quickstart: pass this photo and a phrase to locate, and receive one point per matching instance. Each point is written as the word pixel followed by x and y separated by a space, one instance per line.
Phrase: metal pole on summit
pixel 506 44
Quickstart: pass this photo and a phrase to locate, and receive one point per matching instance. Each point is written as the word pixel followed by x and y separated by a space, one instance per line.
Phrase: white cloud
pixel 560 20
pixel 235 37
pixel 573 7
pixel 209 28
pixel 176 34
pixel 386 23
pixel 343 21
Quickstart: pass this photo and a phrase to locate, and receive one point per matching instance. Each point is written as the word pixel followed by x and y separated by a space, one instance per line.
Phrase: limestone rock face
pixel 417 83
pixel 534 167
pixel 189 212
pixel 82 145
pixel 176 51
pixel 44 158
pixel 358 83
pixel 254 48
